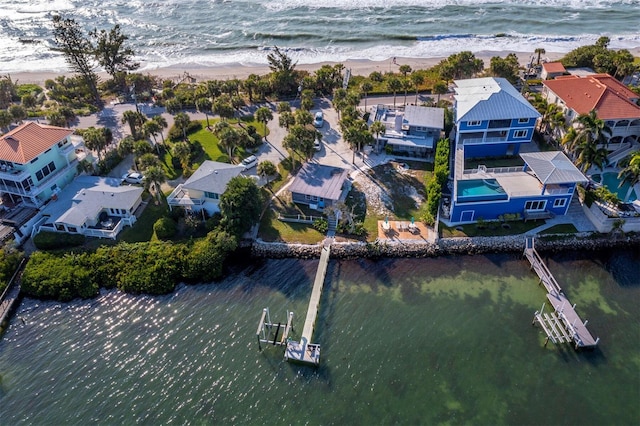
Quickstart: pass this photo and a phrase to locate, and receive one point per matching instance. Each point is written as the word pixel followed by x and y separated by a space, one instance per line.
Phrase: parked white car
pixel 317 145
pixel 249 162
pixel 318 119
pixel 133 177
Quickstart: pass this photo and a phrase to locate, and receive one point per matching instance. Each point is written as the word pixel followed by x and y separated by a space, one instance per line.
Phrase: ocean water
pixel 218 32
pixel 404 341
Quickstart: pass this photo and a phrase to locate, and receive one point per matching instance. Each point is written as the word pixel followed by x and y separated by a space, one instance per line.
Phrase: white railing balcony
pixel 181 197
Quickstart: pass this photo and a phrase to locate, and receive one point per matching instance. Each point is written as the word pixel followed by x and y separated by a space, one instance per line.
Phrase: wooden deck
pixel 565 324
pixel 304 351
pixel 403 231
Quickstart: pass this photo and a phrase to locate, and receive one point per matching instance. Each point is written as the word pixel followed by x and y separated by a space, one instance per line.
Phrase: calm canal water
pixel 429 341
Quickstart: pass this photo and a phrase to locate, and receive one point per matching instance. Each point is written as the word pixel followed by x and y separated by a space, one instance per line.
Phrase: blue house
pixel 542 188
pixel 492 118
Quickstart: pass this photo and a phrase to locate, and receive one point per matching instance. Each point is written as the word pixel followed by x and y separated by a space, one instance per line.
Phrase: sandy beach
pixel 242 71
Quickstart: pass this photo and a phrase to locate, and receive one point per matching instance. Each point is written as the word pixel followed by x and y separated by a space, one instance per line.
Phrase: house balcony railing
pixel 625 130
pixel 493 170
pixel 181 197
pixel 35 189
pixel 477 141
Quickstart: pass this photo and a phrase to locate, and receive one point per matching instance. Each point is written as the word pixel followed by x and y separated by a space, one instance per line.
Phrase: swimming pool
pixel 611 181
pixel 480 190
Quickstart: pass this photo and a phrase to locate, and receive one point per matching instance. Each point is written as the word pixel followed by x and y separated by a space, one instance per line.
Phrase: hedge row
pixel 147 267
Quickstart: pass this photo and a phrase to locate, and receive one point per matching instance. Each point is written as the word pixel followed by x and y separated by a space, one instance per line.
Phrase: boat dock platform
pixel 564 325
pixel 304 351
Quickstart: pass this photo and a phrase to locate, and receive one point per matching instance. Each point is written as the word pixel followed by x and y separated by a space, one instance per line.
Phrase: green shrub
pixel 321 225
pixel 9 261
pixel 58 277
pixel 175 133
pixel 165 228
pixel 108 162
pixel 205 258
pixel 57 240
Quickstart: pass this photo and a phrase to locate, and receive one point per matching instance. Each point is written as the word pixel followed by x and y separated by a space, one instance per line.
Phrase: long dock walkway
pixel 304 351
pixel 564 325
pixel 11 293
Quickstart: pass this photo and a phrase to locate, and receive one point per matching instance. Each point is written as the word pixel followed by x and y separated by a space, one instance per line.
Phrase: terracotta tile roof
pixel 26 142
pixel 616 86
pixel 583 94
pixel 553 67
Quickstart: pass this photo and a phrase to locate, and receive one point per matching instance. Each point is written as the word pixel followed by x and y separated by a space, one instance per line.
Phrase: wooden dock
pixel 564 325
pixel 11 294
pixel 304 351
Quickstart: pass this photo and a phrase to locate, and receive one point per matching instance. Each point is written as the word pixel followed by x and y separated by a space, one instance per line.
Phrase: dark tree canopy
pixel 77 50
pixel 240 205
pixel 111 52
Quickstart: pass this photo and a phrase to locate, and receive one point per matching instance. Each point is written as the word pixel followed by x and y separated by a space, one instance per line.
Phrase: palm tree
pixel 404 70
pixel 630 173
pixel 148 160
pixel 94 139
pixel 440 88
pixel 264 115
pixel 539 51
pixel 394 84
pixel 357 135
pixel 588 155
pixel 182 151
pixel 228 140
pixel 588 128
pixel 377 128
pixel 417 79
pixel 155 175
pixel 266 169
pixel 204 106
pixel 162 123
pixel 406 85
pixel 130 117
pixel 365 88
pixel 182 121
pixel 152 128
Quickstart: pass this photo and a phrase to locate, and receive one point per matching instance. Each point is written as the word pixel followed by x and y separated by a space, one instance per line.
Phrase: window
pixel 474 123
pixel 520 134
pixel 560 202
pixel 523 120
pixel 72 229
pixel 39 175
pixel 211 195
pixel 538 205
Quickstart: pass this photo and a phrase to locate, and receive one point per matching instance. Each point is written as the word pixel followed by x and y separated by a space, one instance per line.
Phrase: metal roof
pixel 553 167
pixel 490 98
pixel 420 116
pixel 87 196
pixel 212 176
pixel 320 181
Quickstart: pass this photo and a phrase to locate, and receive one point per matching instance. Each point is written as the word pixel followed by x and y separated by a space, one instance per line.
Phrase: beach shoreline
pixel 362 67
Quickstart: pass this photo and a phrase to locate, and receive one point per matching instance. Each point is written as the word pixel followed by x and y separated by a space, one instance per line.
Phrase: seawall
pixel 445 246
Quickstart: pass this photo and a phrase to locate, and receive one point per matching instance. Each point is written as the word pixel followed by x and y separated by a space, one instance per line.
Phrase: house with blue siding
pixel 494 120
pixel 36 162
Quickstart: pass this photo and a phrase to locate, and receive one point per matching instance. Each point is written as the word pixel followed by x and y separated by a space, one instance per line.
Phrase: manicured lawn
pixel 490 229
pixel 272 229
pixel 142 230
pixel 563 228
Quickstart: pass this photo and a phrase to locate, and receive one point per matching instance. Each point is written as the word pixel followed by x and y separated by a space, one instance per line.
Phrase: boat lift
pixel 269 333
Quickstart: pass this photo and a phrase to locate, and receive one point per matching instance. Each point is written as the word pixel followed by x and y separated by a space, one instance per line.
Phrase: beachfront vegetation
pixel 618 63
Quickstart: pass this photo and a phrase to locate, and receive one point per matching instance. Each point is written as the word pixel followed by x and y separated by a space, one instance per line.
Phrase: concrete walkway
pixel 575 216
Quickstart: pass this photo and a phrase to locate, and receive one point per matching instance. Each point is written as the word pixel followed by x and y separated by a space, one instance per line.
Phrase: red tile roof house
pixel 613 101
pixel 552 70
pixel 36 162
